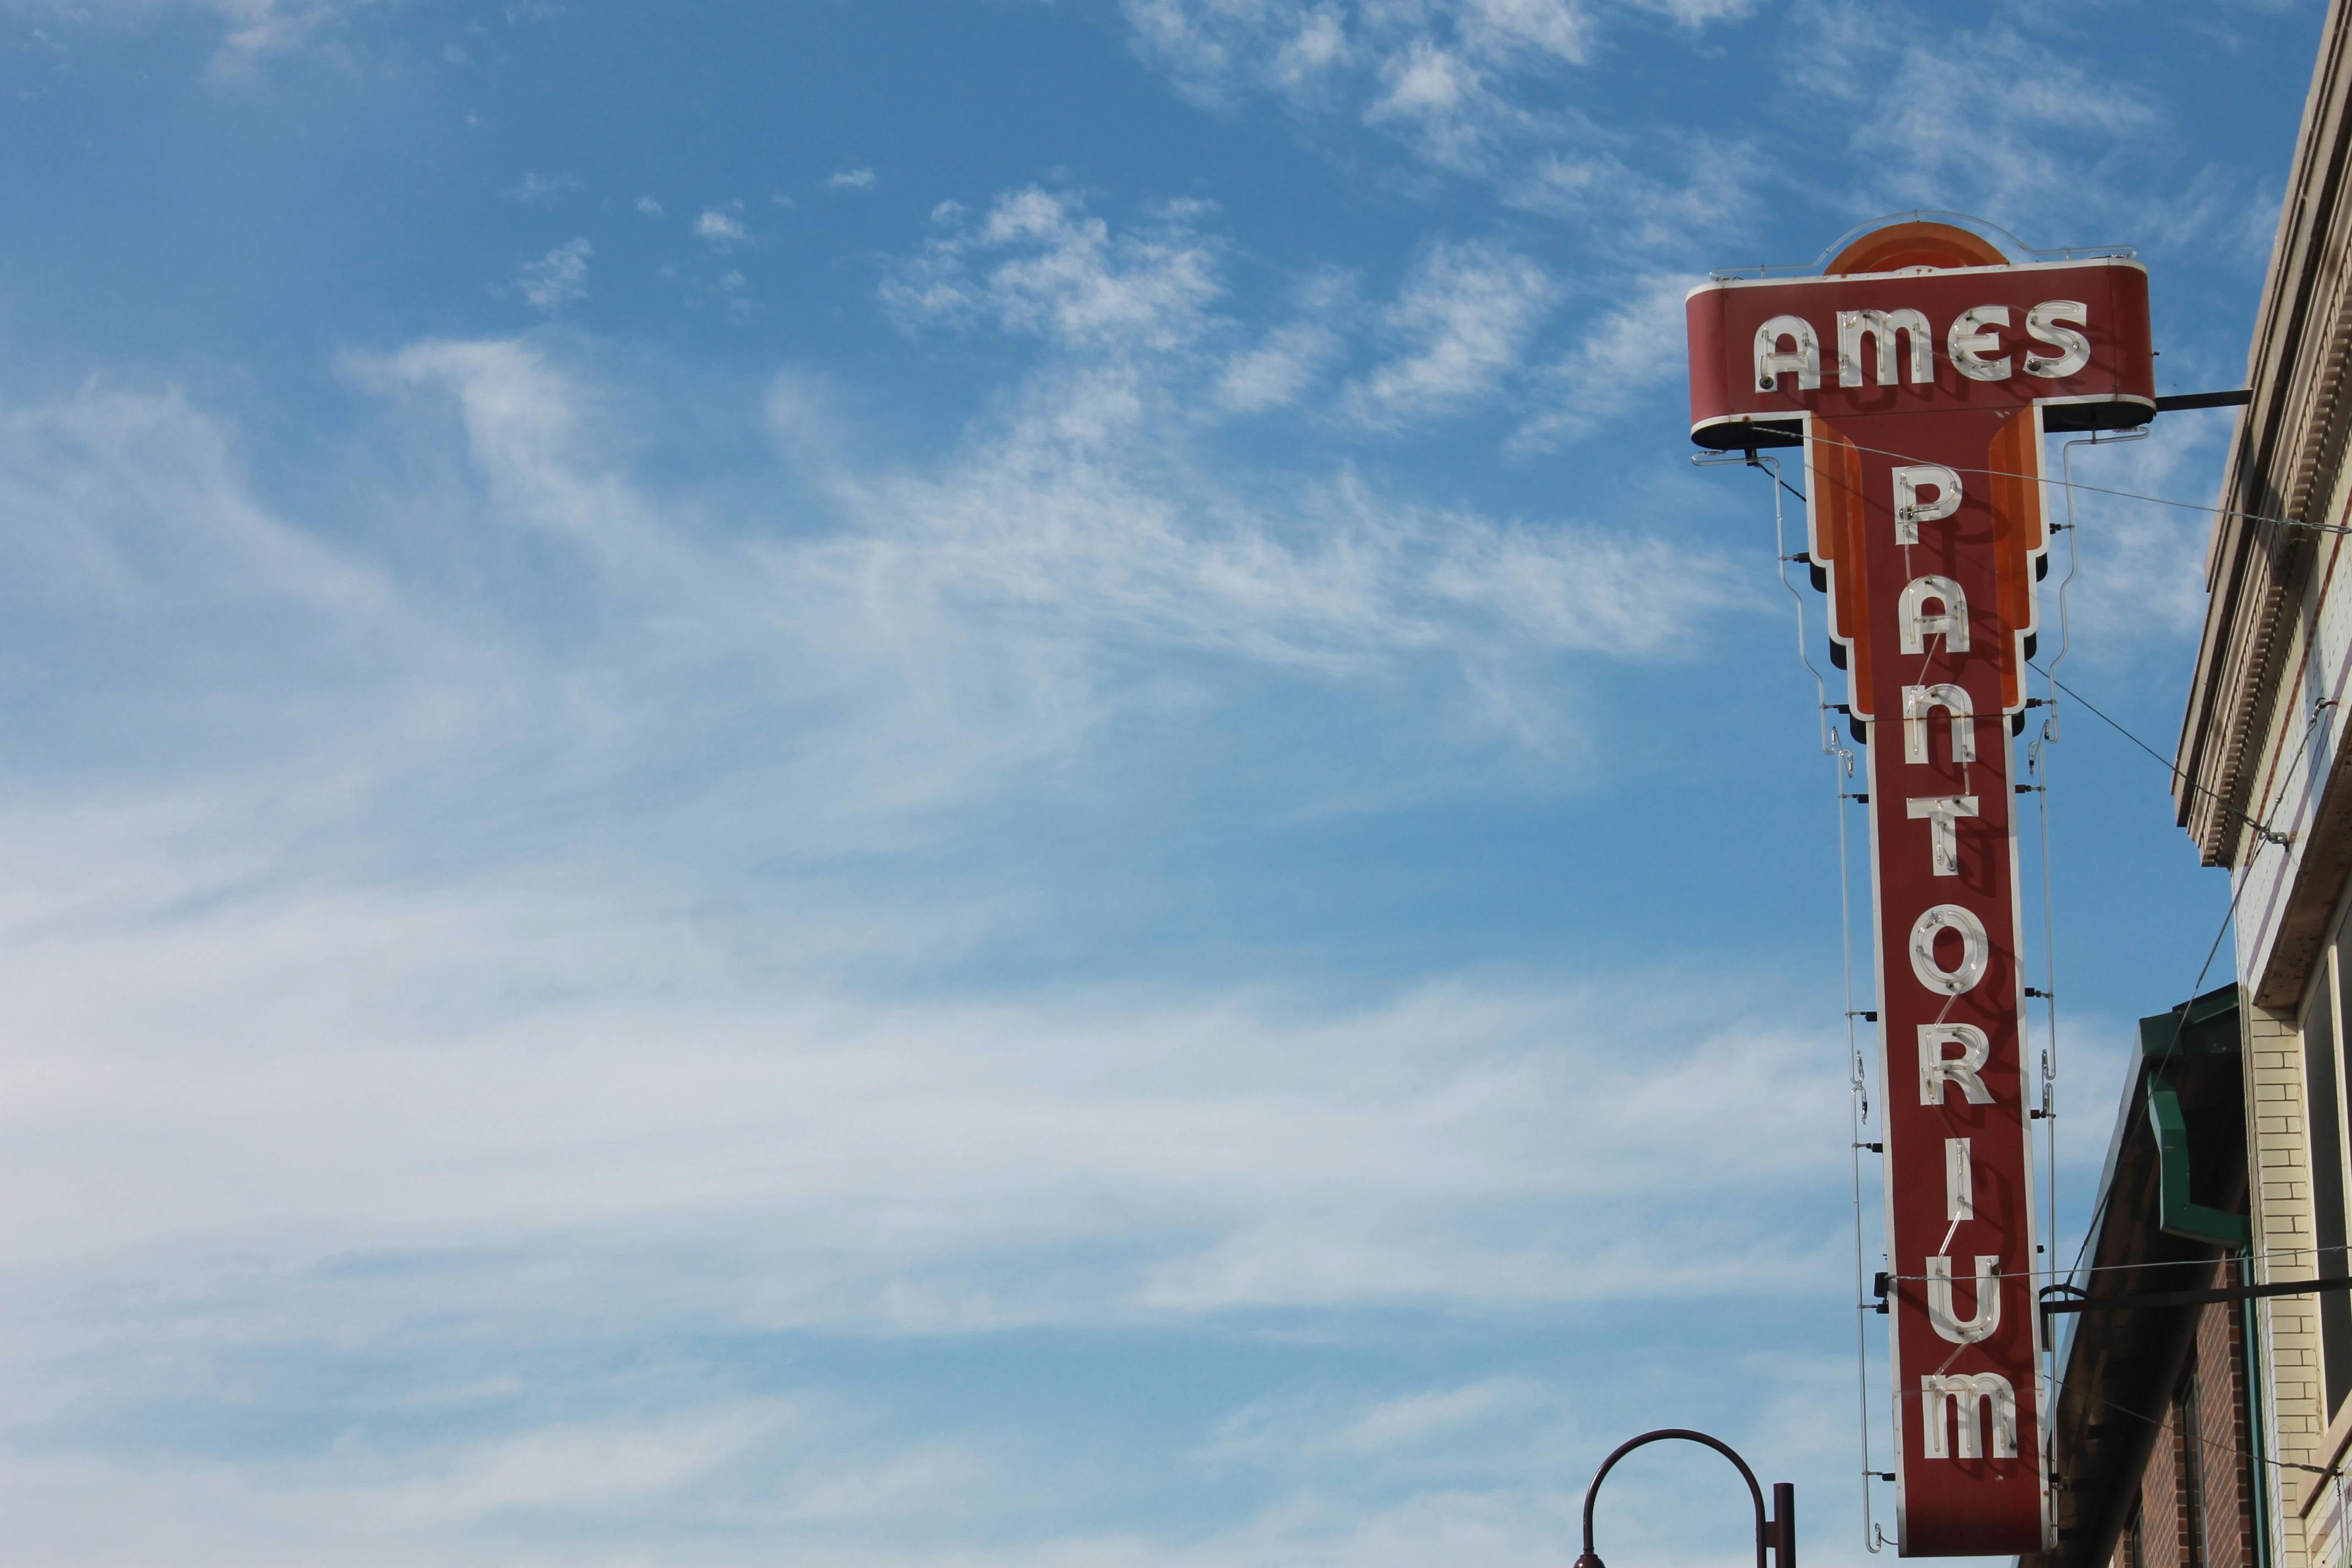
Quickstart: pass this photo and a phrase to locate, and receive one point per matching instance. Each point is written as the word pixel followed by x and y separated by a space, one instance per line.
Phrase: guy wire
pixel 2262 1255
pixel 2245 881
pixel 1857 1096
pixel 2038 765
pixel 2218 1444
pixel 1857 1084
pixel 2261 828
pixel 2127 495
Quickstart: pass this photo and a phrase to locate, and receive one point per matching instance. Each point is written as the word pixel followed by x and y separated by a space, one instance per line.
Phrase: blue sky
pixel 977 783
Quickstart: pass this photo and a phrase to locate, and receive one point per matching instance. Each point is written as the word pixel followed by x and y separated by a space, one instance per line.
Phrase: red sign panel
pixel 1921 391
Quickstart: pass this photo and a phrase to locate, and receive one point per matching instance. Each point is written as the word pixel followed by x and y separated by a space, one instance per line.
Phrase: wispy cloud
pixel 1294 1431
pixel 1700 194
pixel 542 190
pixel 256 30
pixel 1279 371
pixel 1439 98
pixel 1040 263
pixel 722 227
pixel 1987 143
pixel 2140 588
pixel 558 279
pixel 1505 30
pixel 1623 351
pixel 1457 82
pixel 499 1091
pixel 1461 322
pixel 1697 13
pixel 909 946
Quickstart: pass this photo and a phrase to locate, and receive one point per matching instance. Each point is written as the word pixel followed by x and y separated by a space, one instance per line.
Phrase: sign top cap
pixel 1905 244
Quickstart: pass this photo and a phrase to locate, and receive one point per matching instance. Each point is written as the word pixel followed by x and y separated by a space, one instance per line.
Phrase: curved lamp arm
pixel 1777 1533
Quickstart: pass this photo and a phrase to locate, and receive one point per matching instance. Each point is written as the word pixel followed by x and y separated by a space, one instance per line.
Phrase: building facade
pixel 2157 1421
pixel 2264 788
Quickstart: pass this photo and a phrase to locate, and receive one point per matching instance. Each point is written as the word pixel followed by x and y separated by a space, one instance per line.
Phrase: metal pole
pixel 1776 1533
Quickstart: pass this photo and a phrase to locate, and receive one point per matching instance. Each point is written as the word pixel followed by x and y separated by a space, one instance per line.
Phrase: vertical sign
pixel 1920 373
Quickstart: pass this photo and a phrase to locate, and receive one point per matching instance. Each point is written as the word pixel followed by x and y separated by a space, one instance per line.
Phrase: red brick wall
pixel 2164 1501
pixel 2222 1421
pixel 2218 1531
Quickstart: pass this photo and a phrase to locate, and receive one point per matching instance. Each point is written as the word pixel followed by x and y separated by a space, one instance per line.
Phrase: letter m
pixel 1883 326
pixel 1962 1393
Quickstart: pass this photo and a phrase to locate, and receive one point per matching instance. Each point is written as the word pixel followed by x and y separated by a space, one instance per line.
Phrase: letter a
pixel 1772 359
pixel 1918 626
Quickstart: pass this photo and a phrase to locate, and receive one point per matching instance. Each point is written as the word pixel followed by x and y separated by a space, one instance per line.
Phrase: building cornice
pixel 2284 463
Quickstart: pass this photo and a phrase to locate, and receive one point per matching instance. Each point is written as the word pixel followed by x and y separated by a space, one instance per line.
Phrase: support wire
pixel 2037 767
pixel 1841 769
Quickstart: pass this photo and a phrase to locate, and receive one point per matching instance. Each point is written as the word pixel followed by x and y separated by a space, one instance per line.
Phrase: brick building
pixel 2155 1427
pixel 2263 741
pixel 2192 1434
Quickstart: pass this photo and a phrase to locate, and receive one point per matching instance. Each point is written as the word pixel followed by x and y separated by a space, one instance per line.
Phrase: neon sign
pixel 1920 372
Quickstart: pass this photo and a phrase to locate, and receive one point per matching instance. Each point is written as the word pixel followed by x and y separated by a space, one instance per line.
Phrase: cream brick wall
pixel 2280 1184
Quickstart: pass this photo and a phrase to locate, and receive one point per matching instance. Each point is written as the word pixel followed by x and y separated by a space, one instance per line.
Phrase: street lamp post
pixel 1778 1533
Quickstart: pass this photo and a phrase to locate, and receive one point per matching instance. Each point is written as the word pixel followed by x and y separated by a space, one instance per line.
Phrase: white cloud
pixel 542 190
pixel 755 1469
pixel 1462 321
pixel 118 497
pixel 495 1064
pixel 1279 370
pixel 1226 1159
pixel 1697 13
pixel 1419 1417
pixel 558 279
pixel 723 227
pixel 454 1003
pixel 1702 199
pixel 253 33
pixel 1441 101
pixel 1302 1433
pixel 1558 28
pixel 250 32
pixel 257 29
pixel 852 180
pixel 2216 214
pixel 1459 81
pixel 1623 350
pixel 780 1500
pixel 464 976
pixel 582 1468
pixel 1427 82
pixel 650 207
pixel 2000 137
pixel 484 1085
pixel 734 292
pixel 2141 587
pixel 1316 46
pixel 1040 263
